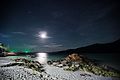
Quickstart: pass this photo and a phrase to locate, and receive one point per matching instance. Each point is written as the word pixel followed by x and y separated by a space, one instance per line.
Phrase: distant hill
pixel 113 47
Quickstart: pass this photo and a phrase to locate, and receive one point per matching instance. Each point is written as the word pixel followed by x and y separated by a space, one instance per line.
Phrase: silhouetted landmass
pixel 113 47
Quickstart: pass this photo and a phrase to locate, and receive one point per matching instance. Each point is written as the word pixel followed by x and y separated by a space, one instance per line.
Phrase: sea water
pixel 111 59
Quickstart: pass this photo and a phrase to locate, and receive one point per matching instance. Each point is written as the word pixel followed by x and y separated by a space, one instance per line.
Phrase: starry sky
pixel 67 23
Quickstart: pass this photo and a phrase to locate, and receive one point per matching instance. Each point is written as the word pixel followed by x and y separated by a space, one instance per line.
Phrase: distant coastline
pixel 113 47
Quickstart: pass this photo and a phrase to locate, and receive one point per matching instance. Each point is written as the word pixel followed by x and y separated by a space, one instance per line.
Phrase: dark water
pixel 111 59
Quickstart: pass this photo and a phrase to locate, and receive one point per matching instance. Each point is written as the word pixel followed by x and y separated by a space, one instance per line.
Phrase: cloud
pixel 4 35
pixel 30 46
pixel 57 14
pixel 21 33
pixel 53 45
pixel 42 35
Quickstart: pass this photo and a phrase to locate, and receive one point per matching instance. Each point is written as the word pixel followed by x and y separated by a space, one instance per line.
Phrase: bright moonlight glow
pixel 42 57
pixel 43 35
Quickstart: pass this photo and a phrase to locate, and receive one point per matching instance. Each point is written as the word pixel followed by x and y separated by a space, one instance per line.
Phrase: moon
pixel 43 35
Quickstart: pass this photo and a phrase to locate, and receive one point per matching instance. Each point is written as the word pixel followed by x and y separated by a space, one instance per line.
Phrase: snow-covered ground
pixel 77 75
pixel 51 73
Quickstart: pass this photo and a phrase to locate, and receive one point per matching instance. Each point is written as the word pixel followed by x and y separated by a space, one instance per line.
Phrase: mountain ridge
pixel 113 47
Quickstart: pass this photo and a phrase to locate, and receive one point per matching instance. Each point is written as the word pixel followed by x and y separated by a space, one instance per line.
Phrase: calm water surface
pixel 111 59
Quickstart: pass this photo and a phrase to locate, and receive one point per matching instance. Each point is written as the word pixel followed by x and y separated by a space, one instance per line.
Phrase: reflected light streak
pixel 42 58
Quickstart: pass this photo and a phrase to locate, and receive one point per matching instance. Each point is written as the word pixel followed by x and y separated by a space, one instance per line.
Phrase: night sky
pixel 66 23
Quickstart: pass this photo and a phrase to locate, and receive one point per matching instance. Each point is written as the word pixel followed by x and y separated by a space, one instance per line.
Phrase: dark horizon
pixel 47 26
pixel 110 47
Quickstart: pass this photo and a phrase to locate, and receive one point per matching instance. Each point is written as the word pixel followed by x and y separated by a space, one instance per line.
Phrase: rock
pixel 60 65
pixel 49 62
pixel 74 57
pixel 64 62
pixel 35 65
pixel 77 65
pixel 55 64
pixel 76 62
pixel 71 68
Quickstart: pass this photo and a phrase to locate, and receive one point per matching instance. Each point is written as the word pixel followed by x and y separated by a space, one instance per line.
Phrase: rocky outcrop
pixel 35 65
pixel 76 62
pixel 74 57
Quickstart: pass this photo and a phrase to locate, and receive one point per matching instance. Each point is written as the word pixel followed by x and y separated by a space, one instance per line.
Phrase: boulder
pixel 74 57
pixel 60 65
pixel 49 62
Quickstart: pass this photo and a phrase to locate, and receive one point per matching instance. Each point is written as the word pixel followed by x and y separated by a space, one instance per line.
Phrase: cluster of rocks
pixel 21 73
pixel 23 69
pixel 35 65
pixel 76 62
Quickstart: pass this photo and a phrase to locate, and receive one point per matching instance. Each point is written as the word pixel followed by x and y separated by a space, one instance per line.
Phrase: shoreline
pixel 51 73
pixel 22 73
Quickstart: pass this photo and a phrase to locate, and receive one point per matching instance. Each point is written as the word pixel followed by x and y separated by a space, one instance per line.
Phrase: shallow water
pixel 111 59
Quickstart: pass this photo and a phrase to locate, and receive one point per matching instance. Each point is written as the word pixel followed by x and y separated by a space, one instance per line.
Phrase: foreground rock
pixel 16 72
pixel 23 69
pixel 76 62
pixel 35 65
pixel 21 73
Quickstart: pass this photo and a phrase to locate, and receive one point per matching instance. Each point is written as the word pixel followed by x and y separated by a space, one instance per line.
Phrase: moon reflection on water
pixel 42 57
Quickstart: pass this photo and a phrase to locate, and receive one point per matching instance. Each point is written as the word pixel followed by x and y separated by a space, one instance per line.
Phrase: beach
pixel 21 73
pixel 51 73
